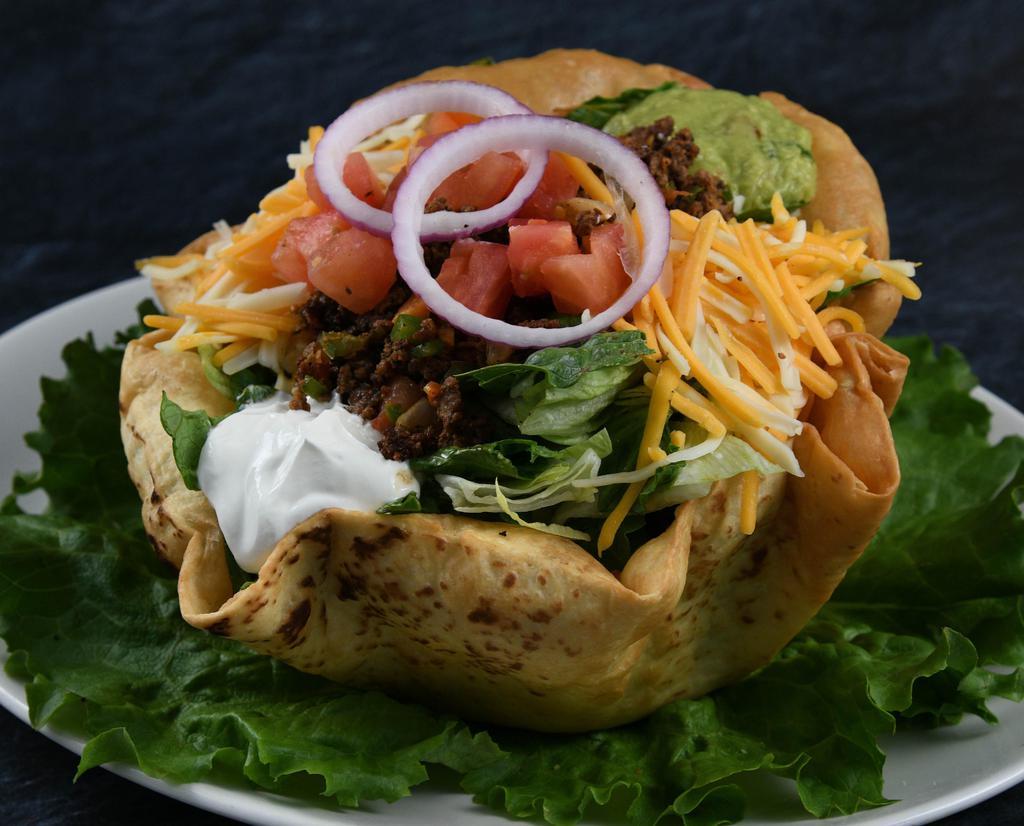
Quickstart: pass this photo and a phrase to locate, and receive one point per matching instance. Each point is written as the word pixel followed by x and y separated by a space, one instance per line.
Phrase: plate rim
pixel 261 807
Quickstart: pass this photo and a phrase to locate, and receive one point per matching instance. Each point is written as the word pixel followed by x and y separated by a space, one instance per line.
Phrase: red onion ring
pixel 539 134
pixel 370 115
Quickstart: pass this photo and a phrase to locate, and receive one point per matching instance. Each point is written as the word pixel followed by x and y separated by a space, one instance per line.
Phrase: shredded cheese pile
pixel 734 325
pixel 240 307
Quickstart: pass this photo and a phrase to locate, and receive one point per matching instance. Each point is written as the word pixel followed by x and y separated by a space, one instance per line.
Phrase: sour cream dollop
pixel 267 468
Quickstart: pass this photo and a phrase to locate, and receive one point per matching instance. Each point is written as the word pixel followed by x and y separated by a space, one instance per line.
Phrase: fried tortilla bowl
pixel 506 625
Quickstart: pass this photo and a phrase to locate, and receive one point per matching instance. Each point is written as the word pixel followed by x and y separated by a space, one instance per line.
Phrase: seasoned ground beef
pixel 382 380
pixel 669 155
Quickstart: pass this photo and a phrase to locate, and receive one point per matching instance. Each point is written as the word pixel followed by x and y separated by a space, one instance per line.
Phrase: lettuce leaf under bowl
pixel 91 620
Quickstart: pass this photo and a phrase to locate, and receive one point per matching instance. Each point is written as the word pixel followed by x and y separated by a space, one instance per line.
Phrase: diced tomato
pixel 316 195
pixel 479 280
pixel 462 248
pixel 440 122
pixel 556 185
pixel 479 185
pixel 482 184
pixel 354 268
pixel 591 280
pixel 362 181
pixel 608 241
pixel 302 237
pixel 418 148
pixel 358 177
pixel 414 305
pixel 530 245
pixel 389 196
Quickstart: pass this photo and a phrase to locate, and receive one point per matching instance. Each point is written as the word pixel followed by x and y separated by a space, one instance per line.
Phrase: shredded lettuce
pixel 693 479
pixel 551 485
pixel 912 636
pixel 561 393
pixel 251 384
pixel 543 527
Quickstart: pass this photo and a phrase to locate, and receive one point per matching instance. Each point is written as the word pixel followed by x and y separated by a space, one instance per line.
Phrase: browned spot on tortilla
pixel 350 587
pixel 292 559
pixel 363 548
pixel 394 590
pixel 425 591
pixel 509 580
pixel 392 535
pixel 321 535
pixel 221 627
pixel 308 582
pixel 159 547
pixel 296 621
pixel 756 563
pixel 746 618
pixel 483 613
pixel 540 616
pixel 543 580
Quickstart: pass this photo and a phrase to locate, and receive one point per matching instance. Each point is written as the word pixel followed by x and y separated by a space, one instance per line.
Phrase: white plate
pixel 933 774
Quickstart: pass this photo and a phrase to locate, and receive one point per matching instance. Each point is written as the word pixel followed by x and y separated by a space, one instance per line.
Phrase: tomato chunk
pixel 354 268
pixel 313 190
pixel 302 237
pixel 608 241
pixel 530 245
pixel 556 185
pixel 362 181
pixel 389 196
pixel 479 280
pixel 591 280
pixel 358 176
pixel 482 184
pixel 439 123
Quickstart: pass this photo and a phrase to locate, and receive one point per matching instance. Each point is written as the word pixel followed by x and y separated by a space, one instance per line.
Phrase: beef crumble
pixel 404 385
pixel 669 156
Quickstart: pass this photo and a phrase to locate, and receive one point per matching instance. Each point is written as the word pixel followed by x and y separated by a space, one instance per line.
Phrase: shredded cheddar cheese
pixel 585 177
pixel 650 451
pixel 686 288
pixel 209 312
pixel 742 321
pixel 851 317
pixel 225 354
pixel 163 322
pixel 748 501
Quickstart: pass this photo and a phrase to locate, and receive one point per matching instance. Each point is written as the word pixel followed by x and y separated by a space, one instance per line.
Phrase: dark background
pixel 129 127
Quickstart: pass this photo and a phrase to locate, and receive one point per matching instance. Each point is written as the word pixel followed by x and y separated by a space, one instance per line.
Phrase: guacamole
pixel 744 140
